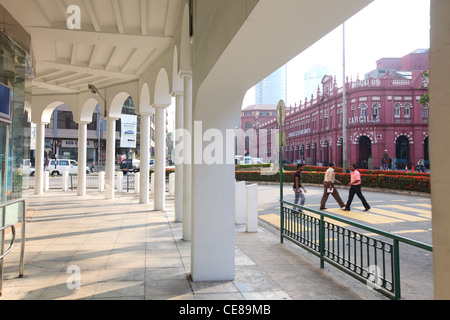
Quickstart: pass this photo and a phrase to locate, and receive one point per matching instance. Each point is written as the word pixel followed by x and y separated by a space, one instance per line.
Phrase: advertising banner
pixel 128 134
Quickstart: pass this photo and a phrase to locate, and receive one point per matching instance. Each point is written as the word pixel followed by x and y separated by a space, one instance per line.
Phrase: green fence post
pixel 322 241
pixel 396 266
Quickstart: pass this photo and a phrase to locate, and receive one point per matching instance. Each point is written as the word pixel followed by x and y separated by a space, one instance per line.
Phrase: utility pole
pixel 344 106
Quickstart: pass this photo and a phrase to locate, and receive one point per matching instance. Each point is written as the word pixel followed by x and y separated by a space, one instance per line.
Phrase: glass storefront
pixel 15 93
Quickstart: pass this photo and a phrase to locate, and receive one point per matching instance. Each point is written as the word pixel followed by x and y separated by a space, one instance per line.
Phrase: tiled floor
pixel 91 248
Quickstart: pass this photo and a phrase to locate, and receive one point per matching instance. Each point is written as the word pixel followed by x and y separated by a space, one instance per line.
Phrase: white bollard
pixel 101 181
pixel 65 180
pixel 172 184
pixel 252 208
pixel 119 178
pixel 137 182
pixel 152 183
pixel 239 202
pixel 46 180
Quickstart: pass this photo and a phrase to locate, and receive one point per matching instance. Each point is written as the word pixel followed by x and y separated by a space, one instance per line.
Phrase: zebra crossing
pixel 379 215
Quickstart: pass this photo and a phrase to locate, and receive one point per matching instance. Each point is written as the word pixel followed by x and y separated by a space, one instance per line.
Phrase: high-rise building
pixel 313 79
pixel 272 89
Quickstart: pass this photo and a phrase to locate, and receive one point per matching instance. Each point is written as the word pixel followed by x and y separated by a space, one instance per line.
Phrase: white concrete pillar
pixel 82 158
pixel 110 157
pixel 240 202
pixel 101 181
pixel 39 163
pixel 65 180
pixel 440 144
pixel 179 125
pixel 251 214
pixel 152 183
pixel 187 156
pixel 137 183
pixel 172 178
pixel 144 159
pixel 46 180
pixel 160 158
pixel 119 181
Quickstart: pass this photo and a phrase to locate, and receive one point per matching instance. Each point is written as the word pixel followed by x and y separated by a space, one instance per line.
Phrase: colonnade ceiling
pixel 116 42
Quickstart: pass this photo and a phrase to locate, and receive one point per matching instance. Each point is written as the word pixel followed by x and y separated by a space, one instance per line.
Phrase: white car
pixel 57 167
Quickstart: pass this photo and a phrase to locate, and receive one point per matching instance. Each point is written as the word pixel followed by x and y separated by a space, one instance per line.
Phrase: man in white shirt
pixel 328 185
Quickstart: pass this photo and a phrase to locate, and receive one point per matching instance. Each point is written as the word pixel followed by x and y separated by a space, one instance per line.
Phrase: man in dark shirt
pixel 297 185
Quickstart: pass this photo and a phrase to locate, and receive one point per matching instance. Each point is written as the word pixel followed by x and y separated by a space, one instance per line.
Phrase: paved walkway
pixel 123 250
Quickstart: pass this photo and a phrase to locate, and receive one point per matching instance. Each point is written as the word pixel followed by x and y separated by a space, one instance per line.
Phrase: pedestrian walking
pixel 299 195
pixel 328 188
pixel 355 188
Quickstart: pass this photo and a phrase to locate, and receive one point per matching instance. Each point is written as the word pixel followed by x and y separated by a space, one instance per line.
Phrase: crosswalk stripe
pixel 425 213
pixel 406 217
pixel 425 205
pixel 365 217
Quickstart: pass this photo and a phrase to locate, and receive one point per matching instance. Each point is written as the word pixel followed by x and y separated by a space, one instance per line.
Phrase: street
pixel 401 214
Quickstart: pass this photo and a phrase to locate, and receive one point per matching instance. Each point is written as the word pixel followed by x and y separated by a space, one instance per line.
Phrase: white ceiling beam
pixel 92 15
pixel 118 15
pixel 52 87
pixel 96 38
pixel 144 21
pixel 94 56
pixel 129 60
pixel 74 56
pixel 83 69
pixel 111 58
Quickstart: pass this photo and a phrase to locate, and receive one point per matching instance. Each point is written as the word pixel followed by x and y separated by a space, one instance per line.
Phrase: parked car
pixel 132 166
pixel 57 167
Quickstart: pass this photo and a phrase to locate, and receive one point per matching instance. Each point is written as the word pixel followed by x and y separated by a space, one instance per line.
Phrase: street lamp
pixel 94 90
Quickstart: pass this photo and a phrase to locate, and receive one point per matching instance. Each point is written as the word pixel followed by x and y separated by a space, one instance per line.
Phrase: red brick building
pixel 383 113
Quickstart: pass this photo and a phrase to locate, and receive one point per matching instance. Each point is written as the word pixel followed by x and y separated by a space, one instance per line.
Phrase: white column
pixel 82 157
pixel 39 163
pixel 160 158
pixel 110 157
pixel 187 156
pixel 179 125
pixel 440 144
pixel 145 158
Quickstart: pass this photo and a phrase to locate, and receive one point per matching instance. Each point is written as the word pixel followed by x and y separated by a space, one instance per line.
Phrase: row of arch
pixel 154 88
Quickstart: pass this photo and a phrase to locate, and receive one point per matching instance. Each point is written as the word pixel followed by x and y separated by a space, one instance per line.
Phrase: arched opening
pixel 402 152
pixel 314 154
pixel 326 153
pixel 365 151
pixel 426 156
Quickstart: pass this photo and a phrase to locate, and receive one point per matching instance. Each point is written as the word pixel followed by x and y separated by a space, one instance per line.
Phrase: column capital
pixel 162 106
pixel 112 118
pixel 178 93
pixel 145 114
pixel 185 73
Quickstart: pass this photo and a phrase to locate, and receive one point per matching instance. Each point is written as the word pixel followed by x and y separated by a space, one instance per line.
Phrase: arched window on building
pixel 397 107
pixel 407 111
pixel 376 110
pixel 363 110
pixel 425 113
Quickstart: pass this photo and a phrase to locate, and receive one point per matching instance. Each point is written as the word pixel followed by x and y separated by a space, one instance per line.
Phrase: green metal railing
pixel 373 261
pixel 3 228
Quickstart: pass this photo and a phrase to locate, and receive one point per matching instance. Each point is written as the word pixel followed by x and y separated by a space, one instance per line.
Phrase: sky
pixel 384 29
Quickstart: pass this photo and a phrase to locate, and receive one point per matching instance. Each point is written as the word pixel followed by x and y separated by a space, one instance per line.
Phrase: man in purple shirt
pixel 355 188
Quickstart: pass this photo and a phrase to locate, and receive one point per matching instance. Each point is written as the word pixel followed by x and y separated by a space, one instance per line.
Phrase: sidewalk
pixel 123 250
